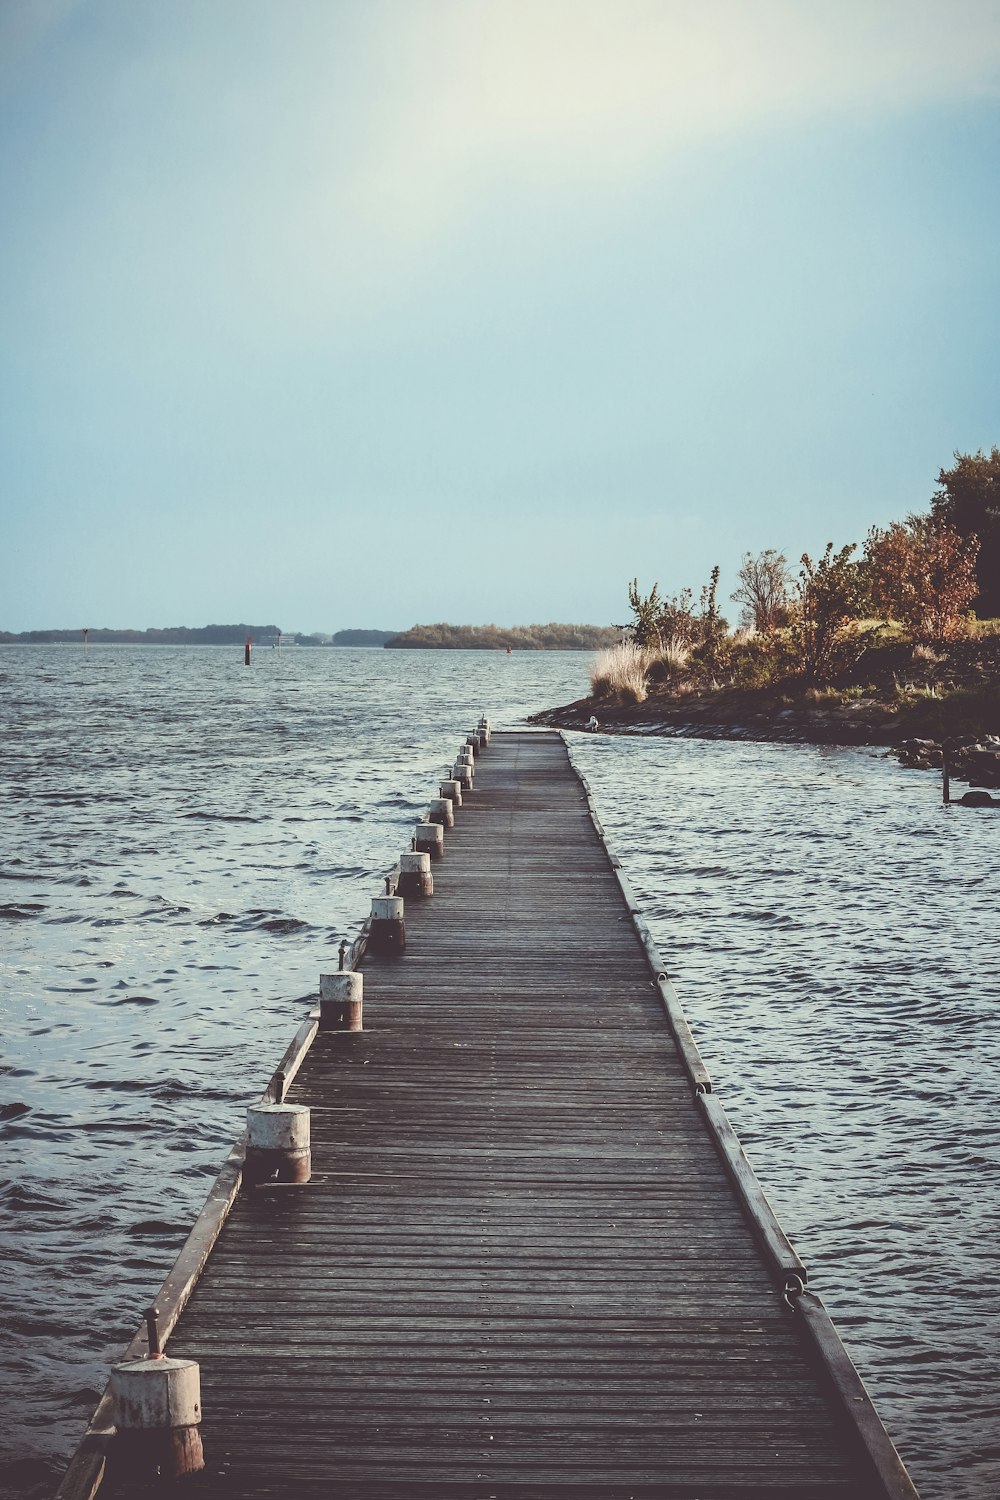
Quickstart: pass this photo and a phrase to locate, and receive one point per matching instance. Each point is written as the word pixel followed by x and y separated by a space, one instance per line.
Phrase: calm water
pixel 183 842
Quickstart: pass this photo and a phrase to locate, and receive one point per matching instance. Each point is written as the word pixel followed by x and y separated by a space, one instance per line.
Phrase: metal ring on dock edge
pixel 793 1288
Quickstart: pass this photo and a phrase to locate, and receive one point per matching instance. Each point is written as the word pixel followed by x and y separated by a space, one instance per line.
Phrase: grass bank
pixel 895 691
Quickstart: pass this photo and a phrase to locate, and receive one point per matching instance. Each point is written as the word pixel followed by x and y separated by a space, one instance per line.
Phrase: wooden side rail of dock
pixel 532 1260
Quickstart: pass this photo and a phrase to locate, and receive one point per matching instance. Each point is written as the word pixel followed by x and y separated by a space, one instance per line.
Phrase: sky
pixel 336 313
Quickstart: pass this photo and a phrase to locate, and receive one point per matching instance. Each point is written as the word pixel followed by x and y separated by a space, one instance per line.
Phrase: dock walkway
pixel 521 1267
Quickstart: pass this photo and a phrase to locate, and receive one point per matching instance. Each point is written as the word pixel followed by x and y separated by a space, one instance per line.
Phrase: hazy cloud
pixel 314 157
pixel 515 95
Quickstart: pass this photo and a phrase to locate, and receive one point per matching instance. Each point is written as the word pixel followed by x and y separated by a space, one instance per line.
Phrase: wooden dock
pixel 531 1260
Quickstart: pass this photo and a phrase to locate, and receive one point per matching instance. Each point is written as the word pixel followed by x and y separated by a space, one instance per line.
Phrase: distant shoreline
pixel 259 645
pixel 439 637
pixel 266 645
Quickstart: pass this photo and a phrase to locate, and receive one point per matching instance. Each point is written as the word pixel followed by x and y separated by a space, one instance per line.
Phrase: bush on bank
pixel 895 621
pixel 880 661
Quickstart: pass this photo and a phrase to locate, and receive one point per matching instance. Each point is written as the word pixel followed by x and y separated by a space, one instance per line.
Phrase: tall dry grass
pixel 626 670
pixel 668 661
pixel 620 672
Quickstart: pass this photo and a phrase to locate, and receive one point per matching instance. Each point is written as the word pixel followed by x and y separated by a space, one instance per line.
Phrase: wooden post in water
pixel 246 652
pixel 945 777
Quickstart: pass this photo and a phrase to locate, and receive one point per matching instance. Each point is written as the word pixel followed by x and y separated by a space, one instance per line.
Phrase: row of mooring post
pixel 278 1145
pixel 156 1400
pixel 387 925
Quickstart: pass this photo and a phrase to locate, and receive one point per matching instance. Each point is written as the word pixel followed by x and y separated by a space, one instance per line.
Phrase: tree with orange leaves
pixel 923 574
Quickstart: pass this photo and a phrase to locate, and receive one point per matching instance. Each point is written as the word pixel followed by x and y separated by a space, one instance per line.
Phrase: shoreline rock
pixel 976 761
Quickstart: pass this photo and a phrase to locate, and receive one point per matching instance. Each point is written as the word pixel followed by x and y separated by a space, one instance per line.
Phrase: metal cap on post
pixel 387 931
pixel 415 878
pixel 278 1143
pixel 341 1001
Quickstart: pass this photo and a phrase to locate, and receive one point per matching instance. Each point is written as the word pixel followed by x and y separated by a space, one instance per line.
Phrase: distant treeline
pixel 171 635
pixel 517 637
pixel 361 637
pixel 341 638
pixel 452 637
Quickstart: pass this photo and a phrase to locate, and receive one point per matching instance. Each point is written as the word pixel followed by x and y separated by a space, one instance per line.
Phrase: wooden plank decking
pixel 520 1268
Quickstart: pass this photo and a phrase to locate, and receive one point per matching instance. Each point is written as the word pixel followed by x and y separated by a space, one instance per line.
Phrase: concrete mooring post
pixel 156 1407
pixel 278 1143
pixel 415 878
pixel 387 932
pixel 341 1001
pixel 453 791
pixel 429 839
pixel 442 811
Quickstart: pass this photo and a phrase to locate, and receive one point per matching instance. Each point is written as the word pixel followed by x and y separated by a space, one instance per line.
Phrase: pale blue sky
pixel 377 311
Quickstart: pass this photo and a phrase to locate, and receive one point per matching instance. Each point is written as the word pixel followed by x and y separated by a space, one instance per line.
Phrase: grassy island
pixel 897 642
pixel 499 638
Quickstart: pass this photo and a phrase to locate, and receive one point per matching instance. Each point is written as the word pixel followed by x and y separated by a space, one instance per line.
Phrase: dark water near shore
pixel 182 844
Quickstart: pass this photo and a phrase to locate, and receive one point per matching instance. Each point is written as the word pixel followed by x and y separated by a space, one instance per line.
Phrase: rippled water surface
pixel 183 842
